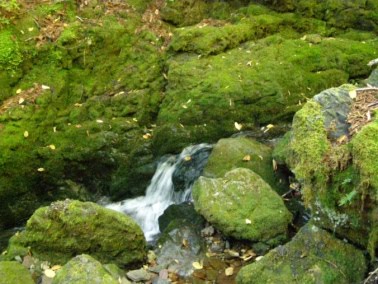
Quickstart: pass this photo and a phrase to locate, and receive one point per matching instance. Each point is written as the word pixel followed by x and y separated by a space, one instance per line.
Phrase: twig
pixel 375 272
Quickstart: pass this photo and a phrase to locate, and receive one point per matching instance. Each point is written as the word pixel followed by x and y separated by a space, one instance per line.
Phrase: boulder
pixel 334 163
pixel 242 205
pixel 312 256
pixel 240 152
pixel 83 269
pixel 67 228
pixel 12 272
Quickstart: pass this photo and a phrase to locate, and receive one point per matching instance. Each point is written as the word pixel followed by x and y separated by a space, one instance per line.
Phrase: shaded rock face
pixel 190 168
pixel 67 228
pixel 338 176
pixel 12 272
pixel 83 269
pixel 373 78
pixel 312 256
pixel 242 205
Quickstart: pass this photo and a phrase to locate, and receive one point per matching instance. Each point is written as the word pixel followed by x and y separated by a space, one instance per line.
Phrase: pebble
pixel 138 275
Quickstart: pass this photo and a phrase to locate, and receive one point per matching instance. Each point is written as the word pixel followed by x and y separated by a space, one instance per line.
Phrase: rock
pixel 138 275
pixel 67 228
pixel 183 213
pixel 179 246
pixel 312 256
pixel 83 269
pixel 190 168
pixel 230 153
pixel 337 174
pixel 12 272
pixel 242 205
pixel 373 78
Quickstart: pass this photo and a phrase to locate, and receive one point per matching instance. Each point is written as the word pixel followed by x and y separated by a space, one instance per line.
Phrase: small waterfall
pixel 145 210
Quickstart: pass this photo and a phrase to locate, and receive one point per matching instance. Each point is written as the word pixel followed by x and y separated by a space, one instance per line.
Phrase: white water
pixel 146 210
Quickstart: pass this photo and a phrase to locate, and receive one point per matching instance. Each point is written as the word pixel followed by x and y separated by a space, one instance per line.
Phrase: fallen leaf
pixel 52 147
pixel 99 121
pixel 54 128
pixel 247 158
pixel 229 271
pixel 197 265
pixel 78 105
pixel 261 157
pixel 185 243
pixel 44 87
pixel 187 158
pixel 30 29
pixel 56 267
pixel 353 94
pixel 259 258
pixel 249 63
pixel 21 100
pixel 41 169
pixel 134 119
pixel 78 125
pixel 247 221
pixel 26 134
pixel 19 91
pixel 248 255
pixel 238 126
pixel 147 135
pixel 184 106
pixel 275 166
pixel 49 273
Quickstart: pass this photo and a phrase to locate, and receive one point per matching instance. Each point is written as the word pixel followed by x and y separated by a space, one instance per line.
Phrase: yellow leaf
pixel 229 271
pixel 247 221
pixel 54 128
pixel 56 267
pixel 26 134
pixel 353 94
pixel 19 91
pixel 249 63
pixel 52 147
pixel 147 135
pixel 274 162
pixel 44 87
pixel 41 169
pixel 99 121
pixel 78 105
pixel 238 126
pixel 187 158
pixel 136 120
pixel 49 273
pixel 30 29
pixel 21 100
pixel 197 265
pixel 247 158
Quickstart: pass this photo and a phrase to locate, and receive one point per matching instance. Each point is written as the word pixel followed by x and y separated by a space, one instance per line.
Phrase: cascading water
pixel 145 210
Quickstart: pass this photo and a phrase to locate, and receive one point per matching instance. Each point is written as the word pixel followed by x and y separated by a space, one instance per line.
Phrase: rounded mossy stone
pixel 240 152
pixel 242 205
pixel 12 272
pixel 184 12
pixel 67 228
pixel 83 269
pixel 312 256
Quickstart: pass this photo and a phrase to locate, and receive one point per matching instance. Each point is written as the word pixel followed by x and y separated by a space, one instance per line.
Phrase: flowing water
pixel 161 193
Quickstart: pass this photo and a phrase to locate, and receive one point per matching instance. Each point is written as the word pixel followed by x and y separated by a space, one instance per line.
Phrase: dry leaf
pixel 185 243
pixel 238 126
pixel 353 94
pixel 56 267
pixel 99 121
pixel 41 169
pixel 247 158
pixel 229 271
pixel 247 221
pixel 261 157
pixel 54 128
pixel 197 265
pixel 134 119
pixel 146 136
pixel 259 258
pixel 44 87
pixel 52 147
pixel 26 134
pixel 275 166
pixel 78 105
pixel 184 106
pixel 187 158
pixel 249 63
pixel 21 100
pixel 248 255
pixel 49 273
pixel 19 91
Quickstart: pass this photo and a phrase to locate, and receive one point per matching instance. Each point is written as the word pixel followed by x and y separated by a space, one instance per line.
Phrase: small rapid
pixel 161 192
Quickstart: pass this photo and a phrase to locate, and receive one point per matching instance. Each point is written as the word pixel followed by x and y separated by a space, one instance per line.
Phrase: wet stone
pixel 138 275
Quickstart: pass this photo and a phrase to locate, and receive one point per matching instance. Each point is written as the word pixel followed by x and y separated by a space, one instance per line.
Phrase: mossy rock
pixel 83 269
pixel 312 256
pixel 67 228
pixel 240 152
pixel 338 179
pixel 252 85
pixel 12 272
pixel 242 205
pixel 185 12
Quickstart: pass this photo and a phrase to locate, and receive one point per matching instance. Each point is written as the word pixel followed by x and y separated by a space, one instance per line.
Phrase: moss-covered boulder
pixel 312 256
pixel 240 152
pixel 12 272
pixel 252 85
pixel 242 205
pixel 68 228
pixel 83 269
pixel 334 164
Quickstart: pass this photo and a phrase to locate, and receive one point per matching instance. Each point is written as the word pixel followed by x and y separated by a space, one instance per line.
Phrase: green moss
pixel 84 269
pixel 312 256
pixel 10 55
pixel 12 272
pixel 67 228
pixel 242 205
